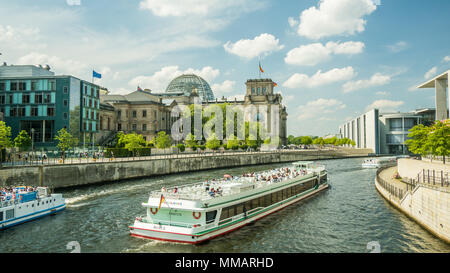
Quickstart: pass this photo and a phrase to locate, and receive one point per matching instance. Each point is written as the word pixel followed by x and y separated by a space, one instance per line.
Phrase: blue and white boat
pixel 23 205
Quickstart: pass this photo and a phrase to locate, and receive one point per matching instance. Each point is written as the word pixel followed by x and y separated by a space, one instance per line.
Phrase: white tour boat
pixel 199 212
pixel 379 162
pixel 22 205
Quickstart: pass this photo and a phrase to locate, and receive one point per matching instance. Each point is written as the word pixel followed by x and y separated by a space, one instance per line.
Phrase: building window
pixel 25 98
pixel 119 113
pixel 52 85
pixel 12 112
pixel 65 115
pixel 258 90
pixel 33 85
pixel 47 98
pixel 134 127
pixel 34 111
pixel 90 126
pixel 50 111
pixel 21 111
pixel 2 99
pixel 253 90
pixel 65 89
pixel 134 114
pixel 144 127
pixel 13 86
pixel 119 127
pixel 22 86
pixel 264 90
pixel 65 102
pixel 2 86
pixel 395 124
pixel 144 113
pixel 38 98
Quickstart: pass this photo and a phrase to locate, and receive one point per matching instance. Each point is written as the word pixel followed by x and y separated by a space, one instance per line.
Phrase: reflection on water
pixel 344 218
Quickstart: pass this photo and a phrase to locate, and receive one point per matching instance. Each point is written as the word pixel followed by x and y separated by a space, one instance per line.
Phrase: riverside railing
pixel 437 178
pixel 389 187
pixel 35 159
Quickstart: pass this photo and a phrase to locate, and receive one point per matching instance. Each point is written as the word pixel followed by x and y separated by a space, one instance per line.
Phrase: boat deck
pixel 231 185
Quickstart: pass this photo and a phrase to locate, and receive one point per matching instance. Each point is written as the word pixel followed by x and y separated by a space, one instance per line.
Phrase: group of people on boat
pixel 11 193
pixel 276 175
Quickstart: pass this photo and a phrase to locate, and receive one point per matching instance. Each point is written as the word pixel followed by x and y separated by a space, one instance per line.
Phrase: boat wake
pixel 70 201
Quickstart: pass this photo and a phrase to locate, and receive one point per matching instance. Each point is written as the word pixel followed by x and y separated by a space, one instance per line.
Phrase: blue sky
pixel 332 59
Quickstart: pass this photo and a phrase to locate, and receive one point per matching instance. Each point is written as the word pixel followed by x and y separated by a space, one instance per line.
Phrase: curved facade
pixel 184 85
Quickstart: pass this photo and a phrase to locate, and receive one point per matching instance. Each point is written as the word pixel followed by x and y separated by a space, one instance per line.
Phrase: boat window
pixel 1 216
pixel 248 205
pixel 255 203
pixel 224 214
pixel 211 216
pixel 267 200
pixel 9 214
pixel 239 209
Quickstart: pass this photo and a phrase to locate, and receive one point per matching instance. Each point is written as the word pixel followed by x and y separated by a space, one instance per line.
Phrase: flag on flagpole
pixel 260 68
pixel 96 75
pixel 161 201
pixel 275 84
pixel 139 88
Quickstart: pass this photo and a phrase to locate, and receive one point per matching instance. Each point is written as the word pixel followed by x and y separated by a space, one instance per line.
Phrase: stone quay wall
pixel 73 175
pixel 428 205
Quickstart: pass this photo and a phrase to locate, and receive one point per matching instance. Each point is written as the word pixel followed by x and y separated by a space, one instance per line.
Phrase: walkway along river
pixel 345 218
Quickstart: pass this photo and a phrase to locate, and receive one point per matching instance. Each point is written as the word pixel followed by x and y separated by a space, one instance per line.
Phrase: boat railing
pixel 197 191
pixel 169 223
pixel 4 204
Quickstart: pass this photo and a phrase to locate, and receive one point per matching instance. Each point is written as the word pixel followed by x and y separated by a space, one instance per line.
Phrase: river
pixel 345 218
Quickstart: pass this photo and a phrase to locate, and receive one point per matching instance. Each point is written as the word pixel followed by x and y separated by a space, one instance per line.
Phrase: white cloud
pixel 319 107
pixel 160 79
pixel 377 79
pixel 292 22
pixel 397 47
pixel 385 105
pixel 225 87
pixel 164 8
pixel 246 48
pixel 304 81
pixel 331 17
pixel 430 73
pixel 447 59
pixel 57 64
pixel 315 53
pixel 382 93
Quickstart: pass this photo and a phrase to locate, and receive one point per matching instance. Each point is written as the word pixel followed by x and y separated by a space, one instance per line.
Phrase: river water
pixel 345 218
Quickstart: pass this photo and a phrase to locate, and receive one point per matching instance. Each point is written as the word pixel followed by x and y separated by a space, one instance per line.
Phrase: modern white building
pixel 363 130
pixel 440 84
pixel 384 133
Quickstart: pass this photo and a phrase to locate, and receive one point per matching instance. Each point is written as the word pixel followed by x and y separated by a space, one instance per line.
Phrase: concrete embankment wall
pixel 428 206
pixel 70 175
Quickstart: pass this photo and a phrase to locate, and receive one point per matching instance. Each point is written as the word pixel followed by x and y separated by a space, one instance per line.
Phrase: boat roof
pixel 303 162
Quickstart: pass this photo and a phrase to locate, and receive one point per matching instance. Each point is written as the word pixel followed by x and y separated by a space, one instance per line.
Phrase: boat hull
pixel 190 236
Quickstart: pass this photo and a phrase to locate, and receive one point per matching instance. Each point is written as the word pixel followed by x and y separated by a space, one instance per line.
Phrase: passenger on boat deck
pixel 212 192
pixel 163 189
pixel 175 190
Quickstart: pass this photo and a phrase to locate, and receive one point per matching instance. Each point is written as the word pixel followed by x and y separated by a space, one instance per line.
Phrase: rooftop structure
pixel 440 83
pixel 186 84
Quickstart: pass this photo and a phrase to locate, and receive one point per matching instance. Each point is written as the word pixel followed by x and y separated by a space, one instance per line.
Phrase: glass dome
pixel 185 84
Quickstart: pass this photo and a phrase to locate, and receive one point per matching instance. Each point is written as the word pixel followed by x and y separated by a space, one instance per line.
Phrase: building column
pixel 441 99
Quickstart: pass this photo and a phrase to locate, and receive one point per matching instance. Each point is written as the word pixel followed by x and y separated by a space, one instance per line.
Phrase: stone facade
pixel 148 113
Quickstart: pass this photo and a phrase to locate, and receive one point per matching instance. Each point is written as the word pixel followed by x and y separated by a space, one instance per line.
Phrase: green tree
pixel 190 141
pixel 306 140
pixel 233 143
pixel 65 141
pixel 5 138
pixel 132 141
pixel 163 140
pixel 418 138
pixel 212 142
pixel 251 142
pixel 23 141
pixel 438 141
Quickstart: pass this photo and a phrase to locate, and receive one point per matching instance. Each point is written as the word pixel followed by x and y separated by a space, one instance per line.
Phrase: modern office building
pixel 385 133
pixel 34 99
pixel 440 84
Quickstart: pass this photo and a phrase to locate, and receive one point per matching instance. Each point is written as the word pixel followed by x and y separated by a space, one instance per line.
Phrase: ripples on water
pixel 342 219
